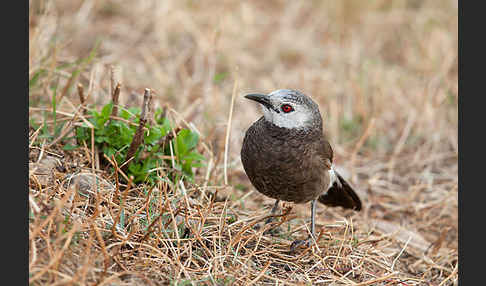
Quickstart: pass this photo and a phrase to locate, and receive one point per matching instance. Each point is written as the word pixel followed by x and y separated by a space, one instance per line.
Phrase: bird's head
pixel 288 108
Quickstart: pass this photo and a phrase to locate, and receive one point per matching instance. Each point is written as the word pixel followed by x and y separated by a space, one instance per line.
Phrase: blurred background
pixel 394 61
pixel 384 73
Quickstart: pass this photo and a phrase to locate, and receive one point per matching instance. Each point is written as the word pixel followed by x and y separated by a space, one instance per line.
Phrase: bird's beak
pixel 263 99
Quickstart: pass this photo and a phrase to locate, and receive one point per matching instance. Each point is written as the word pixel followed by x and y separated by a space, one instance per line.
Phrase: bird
pixel 287 156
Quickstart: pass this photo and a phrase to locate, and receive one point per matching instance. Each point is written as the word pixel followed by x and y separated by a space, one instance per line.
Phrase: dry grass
pixel 384 74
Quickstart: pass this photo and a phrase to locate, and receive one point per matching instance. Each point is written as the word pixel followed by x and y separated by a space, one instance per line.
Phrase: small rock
pixel 44 169
pixel 403 235
pixel 87 183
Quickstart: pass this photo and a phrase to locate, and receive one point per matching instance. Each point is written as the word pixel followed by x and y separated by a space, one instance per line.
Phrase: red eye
pixel 287 108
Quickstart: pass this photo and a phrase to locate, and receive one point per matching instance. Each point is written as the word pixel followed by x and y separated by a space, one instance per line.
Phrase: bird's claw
pixel 298 243
pixel 271 230
pixel 269 220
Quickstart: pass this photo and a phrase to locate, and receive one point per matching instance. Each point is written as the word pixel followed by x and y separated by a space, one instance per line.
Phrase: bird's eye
pixel 287 108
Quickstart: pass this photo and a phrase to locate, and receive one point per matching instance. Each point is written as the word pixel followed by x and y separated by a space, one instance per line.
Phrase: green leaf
pixel 191 140
pixel 187 169
pixel 96 119
pixel 134 110
pixel 166 126
pixel 109 151
pixel 185 141
pixel 106 111
pixel 100 139
pixel 194 156
pixel 125 114
pixel 134 168
pixel 158 116
pixel 181 146
pixel 82 133
pixel 154 135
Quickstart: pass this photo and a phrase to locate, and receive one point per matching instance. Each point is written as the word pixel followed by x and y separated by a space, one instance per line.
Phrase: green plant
pixel 113 138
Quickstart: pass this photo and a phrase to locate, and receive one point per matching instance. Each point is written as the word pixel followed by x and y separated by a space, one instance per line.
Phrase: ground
pixel 384 73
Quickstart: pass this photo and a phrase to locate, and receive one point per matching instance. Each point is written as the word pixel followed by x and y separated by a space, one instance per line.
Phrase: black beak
pixel 260 98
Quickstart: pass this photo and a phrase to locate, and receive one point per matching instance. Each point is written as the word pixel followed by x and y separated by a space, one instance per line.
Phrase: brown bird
pixel 287 156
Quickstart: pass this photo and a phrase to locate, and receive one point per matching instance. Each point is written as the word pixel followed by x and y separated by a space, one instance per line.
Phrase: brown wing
pixel 325 151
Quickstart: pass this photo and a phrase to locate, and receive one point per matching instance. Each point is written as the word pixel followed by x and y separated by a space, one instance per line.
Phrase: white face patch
pixel 299 118
pixel 301 112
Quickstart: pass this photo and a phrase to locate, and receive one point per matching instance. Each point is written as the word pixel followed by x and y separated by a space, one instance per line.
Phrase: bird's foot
pixel 272 230
pixel 300 242
pixel 269 220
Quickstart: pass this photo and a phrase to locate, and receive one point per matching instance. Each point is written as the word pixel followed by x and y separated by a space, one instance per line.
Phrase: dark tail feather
pixel 341 194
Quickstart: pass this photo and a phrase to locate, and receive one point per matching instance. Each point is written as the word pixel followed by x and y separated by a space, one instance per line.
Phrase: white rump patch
pixel 333 177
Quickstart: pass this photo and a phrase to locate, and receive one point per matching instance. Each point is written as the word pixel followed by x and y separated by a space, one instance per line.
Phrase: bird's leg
pixel 313 219
pixel 270 219
pixel 312 236
pixel 272 212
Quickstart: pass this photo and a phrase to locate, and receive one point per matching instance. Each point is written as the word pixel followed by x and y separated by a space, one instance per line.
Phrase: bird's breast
pixel 282 163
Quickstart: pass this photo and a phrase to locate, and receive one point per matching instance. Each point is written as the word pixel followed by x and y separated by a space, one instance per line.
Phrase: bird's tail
pixel 341 194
